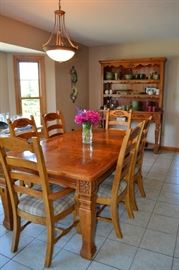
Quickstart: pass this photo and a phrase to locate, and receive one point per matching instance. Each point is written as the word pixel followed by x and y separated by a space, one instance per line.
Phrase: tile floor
pixel 150 242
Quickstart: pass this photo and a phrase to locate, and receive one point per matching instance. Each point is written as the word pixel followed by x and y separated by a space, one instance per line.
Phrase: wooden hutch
pixel 136 84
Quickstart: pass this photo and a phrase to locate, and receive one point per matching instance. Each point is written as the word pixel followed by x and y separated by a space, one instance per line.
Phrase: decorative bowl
pixel 128 76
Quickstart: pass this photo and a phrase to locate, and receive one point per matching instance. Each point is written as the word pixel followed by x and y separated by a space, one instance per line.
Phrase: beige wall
pixel 63 86
pixel 167 48
pixel 4 94
pixel 20 34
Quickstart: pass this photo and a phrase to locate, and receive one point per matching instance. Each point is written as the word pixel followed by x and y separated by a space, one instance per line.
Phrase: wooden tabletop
pixel 66 155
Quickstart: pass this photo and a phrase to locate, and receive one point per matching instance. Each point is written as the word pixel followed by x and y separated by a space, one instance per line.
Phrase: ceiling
pixel 102 22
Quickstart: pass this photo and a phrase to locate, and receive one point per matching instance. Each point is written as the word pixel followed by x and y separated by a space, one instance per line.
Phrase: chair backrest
pixel 127 157
pixel 16 166
pixel 118 119
pixel 53 124
pixel 142 142
pixel 23 127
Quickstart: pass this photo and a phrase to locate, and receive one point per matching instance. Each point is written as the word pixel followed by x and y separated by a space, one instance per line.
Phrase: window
pixel 30 86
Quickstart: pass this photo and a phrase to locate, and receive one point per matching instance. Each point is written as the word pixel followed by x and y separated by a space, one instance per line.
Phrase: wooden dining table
pixel 82 167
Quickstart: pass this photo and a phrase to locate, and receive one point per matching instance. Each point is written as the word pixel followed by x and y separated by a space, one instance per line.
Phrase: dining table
pixel 83 167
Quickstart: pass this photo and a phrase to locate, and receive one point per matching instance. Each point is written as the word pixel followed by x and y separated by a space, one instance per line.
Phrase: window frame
pixel 42 92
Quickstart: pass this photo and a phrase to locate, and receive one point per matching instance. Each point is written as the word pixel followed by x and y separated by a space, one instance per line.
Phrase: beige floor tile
pixel 11 265
pixel 176 253
pixel 132 235
pixel 166 209
pixel 144 204
pixel 159 242
pixel 75 243
pixel 175 264
pixel 99 266
pixel 163 224
pixel 169 197
pixel 170 188
pixel 147 260
pixel 3 260
pixel 5 244
pixel 141 218
pixel 65 260
pixel 116 254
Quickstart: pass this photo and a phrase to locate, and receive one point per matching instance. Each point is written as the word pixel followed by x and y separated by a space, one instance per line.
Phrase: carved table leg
pixel 8 220
pixel 87 213
pixel 157 136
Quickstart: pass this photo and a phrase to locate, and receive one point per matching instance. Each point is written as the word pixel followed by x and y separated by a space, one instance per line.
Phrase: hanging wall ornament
pixel 74 79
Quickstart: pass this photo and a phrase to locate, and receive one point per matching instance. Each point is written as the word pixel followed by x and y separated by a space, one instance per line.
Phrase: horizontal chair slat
pixel 21 163
pixel 26 177
pixel 28 191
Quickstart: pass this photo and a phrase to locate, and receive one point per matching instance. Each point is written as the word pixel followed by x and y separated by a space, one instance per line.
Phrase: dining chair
pixel 118 187
pixel 43 202
pixel 138 178
pixel 53 124
pixel 23 127
pixel 118 119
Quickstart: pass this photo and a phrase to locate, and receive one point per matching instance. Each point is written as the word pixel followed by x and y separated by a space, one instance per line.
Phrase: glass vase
pixel 87 134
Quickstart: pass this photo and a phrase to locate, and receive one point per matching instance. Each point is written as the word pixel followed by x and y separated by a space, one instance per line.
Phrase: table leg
pixel 157 119
pixel 8 219
pixel 87 213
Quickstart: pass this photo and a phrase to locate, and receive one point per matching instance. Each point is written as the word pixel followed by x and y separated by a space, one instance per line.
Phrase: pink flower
pixel 87 116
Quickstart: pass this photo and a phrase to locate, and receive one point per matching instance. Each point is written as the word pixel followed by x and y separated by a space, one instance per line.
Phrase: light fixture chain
pixel 59 5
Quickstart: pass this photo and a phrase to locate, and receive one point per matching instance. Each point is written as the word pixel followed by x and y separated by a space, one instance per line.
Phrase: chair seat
pixel 105 188
pixel 35 206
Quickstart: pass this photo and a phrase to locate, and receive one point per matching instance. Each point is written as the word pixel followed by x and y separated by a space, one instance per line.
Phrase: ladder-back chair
pixel 118 119
pixel 138 178
pixel 53 124
pixel 23 127
pixel 118 187
pixel 42 203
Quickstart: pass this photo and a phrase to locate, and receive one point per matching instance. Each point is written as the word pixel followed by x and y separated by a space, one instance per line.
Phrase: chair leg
pixel 115 221
pixel 133 199
pixel 129 206
pixel 16 233
pixel 50 245
pixel 139 181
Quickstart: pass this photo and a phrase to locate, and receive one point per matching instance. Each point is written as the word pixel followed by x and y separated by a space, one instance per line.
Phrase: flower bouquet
pixel 87 118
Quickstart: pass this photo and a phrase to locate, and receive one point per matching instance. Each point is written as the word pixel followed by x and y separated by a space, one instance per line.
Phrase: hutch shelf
pixel 136 84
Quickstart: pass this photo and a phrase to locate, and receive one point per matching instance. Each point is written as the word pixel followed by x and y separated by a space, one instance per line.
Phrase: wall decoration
pixel 74 79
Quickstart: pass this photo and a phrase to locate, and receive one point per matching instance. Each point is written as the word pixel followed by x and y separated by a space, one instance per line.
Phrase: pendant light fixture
pixel 59 47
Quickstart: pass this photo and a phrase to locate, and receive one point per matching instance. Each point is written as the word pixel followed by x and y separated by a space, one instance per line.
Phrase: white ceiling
pixel 102 22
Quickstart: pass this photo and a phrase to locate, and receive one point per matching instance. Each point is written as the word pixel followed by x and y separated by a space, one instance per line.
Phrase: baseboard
pixel 169 149
pixel 150 146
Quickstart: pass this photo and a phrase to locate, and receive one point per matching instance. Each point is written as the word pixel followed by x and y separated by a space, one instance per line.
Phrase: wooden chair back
pixel 142 142
pixel 23 127
pixel 17 167
pixel 24 161
pixel 138 178
pixel 126 159
pixel 53 124
pixel 118 119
